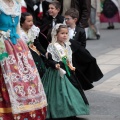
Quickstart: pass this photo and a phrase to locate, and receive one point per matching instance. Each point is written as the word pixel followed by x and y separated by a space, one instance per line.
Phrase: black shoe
pixel 98 36
pixel 110 27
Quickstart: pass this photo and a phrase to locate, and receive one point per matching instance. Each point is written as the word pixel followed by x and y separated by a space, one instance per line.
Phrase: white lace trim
pixel 15 10
pixel 59 51
pixel 32 34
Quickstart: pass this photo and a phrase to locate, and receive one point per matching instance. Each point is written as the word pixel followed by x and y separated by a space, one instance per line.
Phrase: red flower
pixel 24 9
pixel 40 14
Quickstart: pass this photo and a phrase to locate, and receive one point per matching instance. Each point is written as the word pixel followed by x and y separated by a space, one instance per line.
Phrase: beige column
pixel 66 6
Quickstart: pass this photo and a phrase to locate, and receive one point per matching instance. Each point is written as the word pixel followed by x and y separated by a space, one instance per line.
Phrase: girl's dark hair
pixel 61 26
pixel 23 17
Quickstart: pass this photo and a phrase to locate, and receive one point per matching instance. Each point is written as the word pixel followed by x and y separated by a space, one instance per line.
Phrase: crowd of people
pixel 44 64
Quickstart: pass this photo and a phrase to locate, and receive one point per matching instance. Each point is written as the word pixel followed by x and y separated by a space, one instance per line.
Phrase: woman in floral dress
pixel 22 95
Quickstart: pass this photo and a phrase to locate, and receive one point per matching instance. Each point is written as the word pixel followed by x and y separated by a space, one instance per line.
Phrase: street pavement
pixel 104 98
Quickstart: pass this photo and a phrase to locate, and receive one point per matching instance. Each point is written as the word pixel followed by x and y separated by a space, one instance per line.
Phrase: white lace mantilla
pixel 31 35
pixel 15 10
pixel 58 52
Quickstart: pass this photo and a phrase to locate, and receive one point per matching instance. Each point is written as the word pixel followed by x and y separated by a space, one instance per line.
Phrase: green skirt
pixel 64 100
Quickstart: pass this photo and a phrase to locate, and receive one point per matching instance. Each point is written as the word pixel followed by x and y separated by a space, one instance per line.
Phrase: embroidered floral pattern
pixel 23 81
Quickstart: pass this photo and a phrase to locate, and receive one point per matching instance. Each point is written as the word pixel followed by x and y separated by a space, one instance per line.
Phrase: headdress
pixel 54 33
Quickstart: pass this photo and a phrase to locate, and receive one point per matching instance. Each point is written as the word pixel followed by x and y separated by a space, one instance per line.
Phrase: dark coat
pixel 80 35
pixel 46 25
pixel 47 22
pixel 45 5
pixel 83 6
pixel 30 4
pixel 30 9
pixel 87 70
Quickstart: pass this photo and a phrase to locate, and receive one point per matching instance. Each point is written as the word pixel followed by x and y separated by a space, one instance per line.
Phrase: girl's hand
pixel 57 66
pixel 71 67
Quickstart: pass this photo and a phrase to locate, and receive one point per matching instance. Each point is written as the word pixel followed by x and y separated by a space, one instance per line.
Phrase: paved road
pixel 104 98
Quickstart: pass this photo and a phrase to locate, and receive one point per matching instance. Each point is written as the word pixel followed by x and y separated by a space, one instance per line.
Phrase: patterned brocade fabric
pixel 17 89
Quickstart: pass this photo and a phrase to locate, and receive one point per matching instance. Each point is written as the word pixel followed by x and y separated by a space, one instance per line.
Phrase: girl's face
pixel 62 35
pixel 53 11
pixel 28 23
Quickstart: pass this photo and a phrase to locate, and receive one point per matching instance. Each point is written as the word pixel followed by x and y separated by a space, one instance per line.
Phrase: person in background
pixel 53 18
pixel 28 6
pixel 21 91
pixel 94 21
pixel 37 9
pixel 87 70
pixel 83 6
pixel 110 12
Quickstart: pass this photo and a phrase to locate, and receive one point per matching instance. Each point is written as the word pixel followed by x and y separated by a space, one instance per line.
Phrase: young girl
pixel 64 100
pixel 29 34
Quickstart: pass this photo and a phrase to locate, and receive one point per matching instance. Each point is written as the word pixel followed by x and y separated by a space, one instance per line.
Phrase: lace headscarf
pixel 55 31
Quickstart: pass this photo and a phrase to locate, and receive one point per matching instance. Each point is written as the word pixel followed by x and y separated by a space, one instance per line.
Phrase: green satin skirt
pixel 64 100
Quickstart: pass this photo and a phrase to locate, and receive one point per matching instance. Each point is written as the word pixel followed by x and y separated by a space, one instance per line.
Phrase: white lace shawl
pixel 14 11
pixel 59 51
pixel 31 36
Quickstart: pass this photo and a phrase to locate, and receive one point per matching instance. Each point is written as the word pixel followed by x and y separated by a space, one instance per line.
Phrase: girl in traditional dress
pixel 29 33
pixel 64 100
pixel 21 91
pixel 38 11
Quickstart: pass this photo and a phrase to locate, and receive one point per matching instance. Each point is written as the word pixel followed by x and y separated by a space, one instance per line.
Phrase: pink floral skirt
pixel 22 95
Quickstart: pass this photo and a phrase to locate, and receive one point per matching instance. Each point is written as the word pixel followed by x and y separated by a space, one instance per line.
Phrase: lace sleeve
pixel 33 33
pixel 35 30
pixel 55 55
